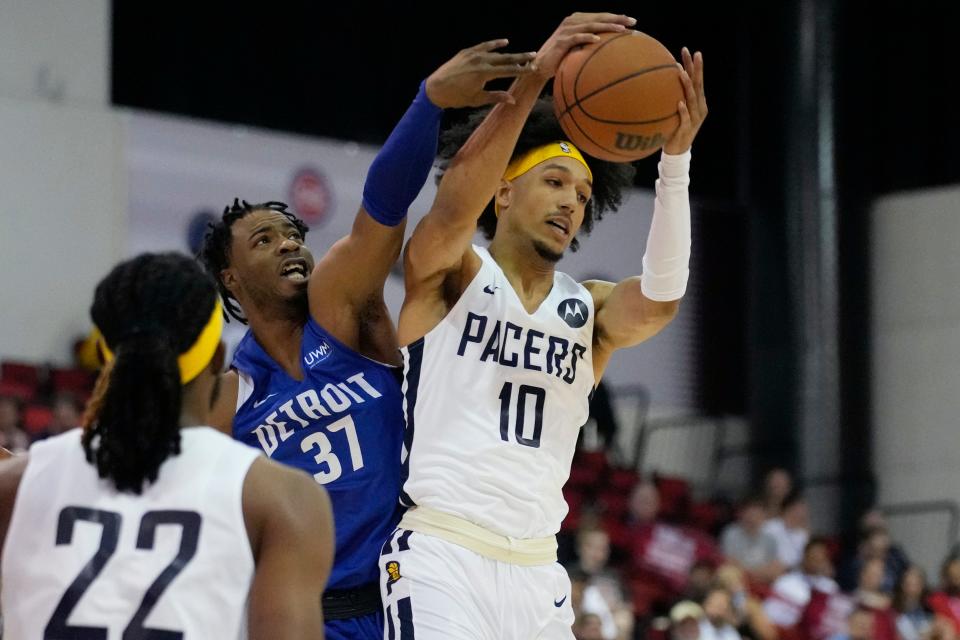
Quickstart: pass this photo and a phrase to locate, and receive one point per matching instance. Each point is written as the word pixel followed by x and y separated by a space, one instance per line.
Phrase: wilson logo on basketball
pixel 574 312
pixel 630 142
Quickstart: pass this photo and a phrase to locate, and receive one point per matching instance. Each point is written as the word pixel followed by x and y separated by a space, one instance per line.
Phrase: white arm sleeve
pixel 666 263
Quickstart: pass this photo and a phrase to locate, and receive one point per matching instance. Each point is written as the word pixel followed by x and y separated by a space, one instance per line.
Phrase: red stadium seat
pixel 36 418
pixel 20 372
pixel 623 480
pixel 707 516
pixel 78 381
pixel 23 392
pixel 674 497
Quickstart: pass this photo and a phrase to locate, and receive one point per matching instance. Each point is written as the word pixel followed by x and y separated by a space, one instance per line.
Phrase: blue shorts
pixel 368 627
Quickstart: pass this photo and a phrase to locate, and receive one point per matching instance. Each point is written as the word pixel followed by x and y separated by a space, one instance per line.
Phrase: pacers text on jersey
pixel 511 345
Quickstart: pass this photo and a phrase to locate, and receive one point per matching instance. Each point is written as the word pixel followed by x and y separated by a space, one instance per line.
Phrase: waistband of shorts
pixel 526 552
pixel 341 604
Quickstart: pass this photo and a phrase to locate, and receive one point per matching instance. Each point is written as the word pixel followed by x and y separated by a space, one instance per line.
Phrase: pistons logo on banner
pixel 311 196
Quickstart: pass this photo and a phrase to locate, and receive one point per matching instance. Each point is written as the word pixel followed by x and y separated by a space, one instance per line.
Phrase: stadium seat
pixel 78 381
pixel 20 373
pixel 36 418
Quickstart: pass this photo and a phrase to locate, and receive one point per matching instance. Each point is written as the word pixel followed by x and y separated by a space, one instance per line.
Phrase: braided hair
pixel 541 127
pixel 215 252
pixel 150 309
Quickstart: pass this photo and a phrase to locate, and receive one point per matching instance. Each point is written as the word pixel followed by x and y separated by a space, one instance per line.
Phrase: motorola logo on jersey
pixel 321 353
pixel 574 312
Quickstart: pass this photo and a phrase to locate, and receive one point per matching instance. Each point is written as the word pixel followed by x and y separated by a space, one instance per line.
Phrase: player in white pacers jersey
pixel 503 351
pixel 146 524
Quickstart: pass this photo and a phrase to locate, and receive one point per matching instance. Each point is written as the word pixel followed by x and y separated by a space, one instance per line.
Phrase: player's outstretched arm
pixel 354 270
pixel 637 308
pixel 290 525
pixel 442 238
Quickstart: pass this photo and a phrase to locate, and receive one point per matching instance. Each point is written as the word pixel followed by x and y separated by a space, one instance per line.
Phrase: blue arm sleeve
pixel 401 167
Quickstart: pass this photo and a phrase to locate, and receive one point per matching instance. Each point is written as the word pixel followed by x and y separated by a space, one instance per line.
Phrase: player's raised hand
pixel 460 81
pixel 693 107
pixel 577 29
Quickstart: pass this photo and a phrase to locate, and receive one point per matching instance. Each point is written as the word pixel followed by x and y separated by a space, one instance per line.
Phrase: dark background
pixel 348 70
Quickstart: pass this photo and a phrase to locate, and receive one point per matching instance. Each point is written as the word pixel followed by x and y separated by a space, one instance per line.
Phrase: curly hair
pixel 150 309
pixel 215 252
pixel 541 127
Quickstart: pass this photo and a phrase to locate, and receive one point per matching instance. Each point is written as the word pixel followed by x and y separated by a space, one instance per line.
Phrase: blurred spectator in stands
pixel 587 599
pixel 749 617
pixel 946 602
pixel 859 626
pixel 871 596
pixel 875 543
pixel 66 411
pixel 718 620
pixel 746 543
pixel 777 485
pixel 593 555
pixel 588 627
pixel 663 554
pixel 791 530
pixel 12 436
pixel 685 620
pixel 700 579
pixel 914 619
pixel 792 592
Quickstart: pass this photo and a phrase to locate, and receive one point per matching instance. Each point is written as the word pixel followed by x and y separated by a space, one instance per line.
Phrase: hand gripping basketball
pixel 693 107
pixel 576 29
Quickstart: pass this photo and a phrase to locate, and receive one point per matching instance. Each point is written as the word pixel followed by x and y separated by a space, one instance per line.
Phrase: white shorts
pixel 435 590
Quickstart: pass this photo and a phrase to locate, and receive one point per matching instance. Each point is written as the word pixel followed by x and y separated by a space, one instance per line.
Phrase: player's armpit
pixel 225 405
pixel 291 531
pixel 5 453
pixel 624 316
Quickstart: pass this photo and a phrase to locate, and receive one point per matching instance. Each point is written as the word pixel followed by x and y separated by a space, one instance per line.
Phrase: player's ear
pixel 503 195
pixel 228 279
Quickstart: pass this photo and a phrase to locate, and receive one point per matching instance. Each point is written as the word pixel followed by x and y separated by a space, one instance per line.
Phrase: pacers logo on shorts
pixel 393 570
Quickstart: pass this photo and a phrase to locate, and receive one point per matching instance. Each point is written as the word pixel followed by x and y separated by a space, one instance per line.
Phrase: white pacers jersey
pixel 494 398
pixel 83 560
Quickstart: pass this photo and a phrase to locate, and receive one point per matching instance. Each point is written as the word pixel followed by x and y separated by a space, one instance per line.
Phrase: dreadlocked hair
pixel 609 178
pixel 215 252
pixel 150 309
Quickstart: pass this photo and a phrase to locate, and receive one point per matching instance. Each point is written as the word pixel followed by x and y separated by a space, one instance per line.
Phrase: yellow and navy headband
pixel 559 149
pixel 197 357
pixel 530 159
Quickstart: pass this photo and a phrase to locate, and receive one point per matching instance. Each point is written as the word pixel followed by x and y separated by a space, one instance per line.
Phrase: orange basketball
pixel 617 99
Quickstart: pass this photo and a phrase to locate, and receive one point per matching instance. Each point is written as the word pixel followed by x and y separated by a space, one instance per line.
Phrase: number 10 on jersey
pixel 517 405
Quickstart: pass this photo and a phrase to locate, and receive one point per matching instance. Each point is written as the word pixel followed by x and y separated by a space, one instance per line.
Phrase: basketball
pixel 617 99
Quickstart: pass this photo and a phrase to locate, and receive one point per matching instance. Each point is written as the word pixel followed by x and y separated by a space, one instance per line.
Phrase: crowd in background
pixel 656 571
pixel 645 561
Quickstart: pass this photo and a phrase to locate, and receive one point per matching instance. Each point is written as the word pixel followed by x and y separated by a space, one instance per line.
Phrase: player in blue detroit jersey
pixel 313 383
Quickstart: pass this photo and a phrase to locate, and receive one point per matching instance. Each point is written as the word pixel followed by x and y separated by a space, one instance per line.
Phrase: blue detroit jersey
pixel 343 425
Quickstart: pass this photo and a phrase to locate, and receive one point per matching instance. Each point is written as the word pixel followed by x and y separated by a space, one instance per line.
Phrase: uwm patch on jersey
pixel 495 397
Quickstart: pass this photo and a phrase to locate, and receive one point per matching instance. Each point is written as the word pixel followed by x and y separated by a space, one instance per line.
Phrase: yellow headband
pixel 559 149
pixel 198 356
